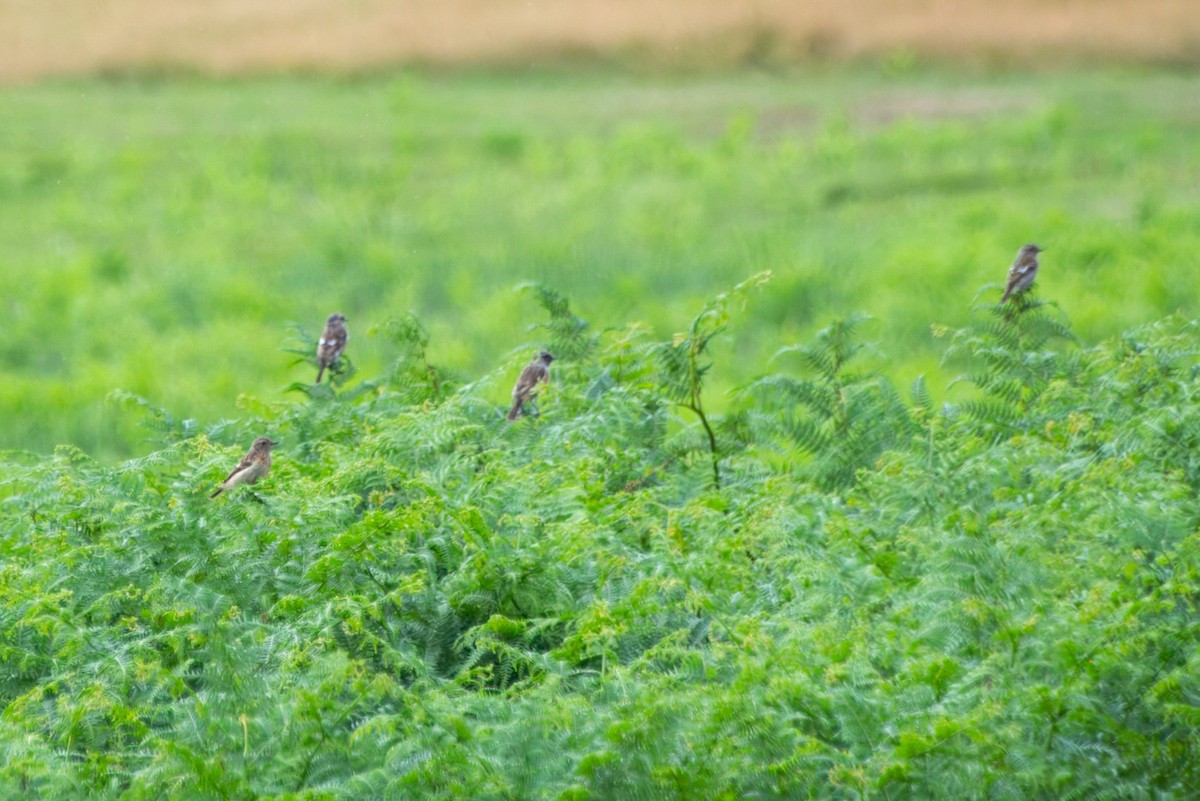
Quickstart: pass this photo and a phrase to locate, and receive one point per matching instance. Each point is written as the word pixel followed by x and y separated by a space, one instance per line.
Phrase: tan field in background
pixel 56 37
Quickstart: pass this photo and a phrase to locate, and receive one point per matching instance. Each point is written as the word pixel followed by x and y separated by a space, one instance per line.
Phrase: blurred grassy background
pixel 157 235
pixel 179 181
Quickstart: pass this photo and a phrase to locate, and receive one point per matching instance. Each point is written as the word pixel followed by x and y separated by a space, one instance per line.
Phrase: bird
pixel 536 372
pixel 254 465
pixel 332 342
pixel 1023 271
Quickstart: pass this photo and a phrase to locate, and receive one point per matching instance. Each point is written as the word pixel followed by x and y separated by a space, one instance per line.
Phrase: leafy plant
pixel 684 362
pixel 1012 360
pixel 842 419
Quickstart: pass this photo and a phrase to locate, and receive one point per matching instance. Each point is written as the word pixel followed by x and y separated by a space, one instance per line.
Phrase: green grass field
pixel 158 235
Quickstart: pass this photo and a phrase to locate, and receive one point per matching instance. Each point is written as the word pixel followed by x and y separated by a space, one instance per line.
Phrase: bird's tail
pixel 218 492
pixel 1007 292
pixel 515 411
pixel 320 373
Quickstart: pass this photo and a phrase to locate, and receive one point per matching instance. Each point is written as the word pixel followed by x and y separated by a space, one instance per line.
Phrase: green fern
pixel 1014 354
pixel 839 419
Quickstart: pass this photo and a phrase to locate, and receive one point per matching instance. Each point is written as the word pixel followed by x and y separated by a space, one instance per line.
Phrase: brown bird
pixel 536 372
pixel 254 465
pixel 1023 271
pixel 331 343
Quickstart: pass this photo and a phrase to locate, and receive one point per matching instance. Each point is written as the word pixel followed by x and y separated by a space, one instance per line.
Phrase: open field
pixel 56 37
pixel 158 235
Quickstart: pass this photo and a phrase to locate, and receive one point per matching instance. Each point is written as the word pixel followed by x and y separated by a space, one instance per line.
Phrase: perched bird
pixel 332 342
pixel 536 372
pixel 1023 271
pixel 254 465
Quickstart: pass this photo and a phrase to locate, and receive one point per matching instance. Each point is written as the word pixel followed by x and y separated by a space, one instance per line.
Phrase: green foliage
pixel 412 373
pixel 424 601
pixel 570 339
pixel 162 247
pixel 1013 361
pixel 684 362
pixel 840 420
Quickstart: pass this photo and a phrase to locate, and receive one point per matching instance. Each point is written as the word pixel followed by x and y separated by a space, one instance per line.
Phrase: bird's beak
pixel 272 442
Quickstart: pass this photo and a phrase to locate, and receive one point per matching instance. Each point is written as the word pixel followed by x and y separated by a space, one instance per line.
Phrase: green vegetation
pixel 743 551
pixel 157 235
pixel 874 596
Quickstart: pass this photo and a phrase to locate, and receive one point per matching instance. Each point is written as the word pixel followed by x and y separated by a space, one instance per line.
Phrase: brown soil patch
pixel 54 37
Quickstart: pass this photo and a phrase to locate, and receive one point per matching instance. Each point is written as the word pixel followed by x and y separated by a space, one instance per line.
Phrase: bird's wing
pixel 332 342
pixel 242 465
pixel 1020 270
pixel 527 380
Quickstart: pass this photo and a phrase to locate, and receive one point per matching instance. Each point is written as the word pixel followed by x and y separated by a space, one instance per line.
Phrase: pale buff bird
pixel 254 465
